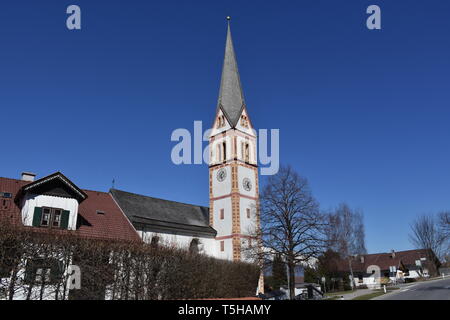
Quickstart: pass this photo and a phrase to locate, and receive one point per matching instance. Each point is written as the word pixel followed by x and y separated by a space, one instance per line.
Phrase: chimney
pixel 28 176
pixel 392 254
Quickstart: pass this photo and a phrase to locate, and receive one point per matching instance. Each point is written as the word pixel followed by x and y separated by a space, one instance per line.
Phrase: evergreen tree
pixel 278 272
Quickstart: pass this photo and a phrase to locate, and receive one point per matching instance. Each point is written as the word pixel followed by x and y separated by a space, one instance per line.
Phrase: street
pixel 429 290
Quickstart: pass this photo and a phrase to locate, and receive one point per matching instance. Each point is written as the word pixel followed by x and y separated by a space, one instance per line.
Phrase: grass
pixel 374 294
pixel 369 295
pixel 339 293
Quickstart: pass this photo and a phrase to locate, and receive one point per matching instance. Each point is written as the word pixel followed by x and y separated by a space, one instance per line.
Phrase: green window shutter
pixel 65 219
pixel 37 217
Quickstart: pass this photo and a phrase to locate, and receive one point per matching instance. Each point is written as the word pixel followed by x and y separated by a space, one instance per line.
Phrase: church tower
pixel 233 170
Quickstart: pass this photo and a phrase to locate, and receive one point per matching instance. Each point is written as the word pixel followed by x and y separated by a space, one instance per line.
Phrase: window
pixel 43 275
pixel 247 153
pixel 248 213
pixel 245 150
pixel 56 222
pixel 46 216
pixel 221 121
pixel 43 271
pixel 244 121
pixel 155 241
pixel 193 248
pixel 222 214
pixel 53 218
pixel 224 149
pixel 5 195
pixel 219 152
pixel 222 246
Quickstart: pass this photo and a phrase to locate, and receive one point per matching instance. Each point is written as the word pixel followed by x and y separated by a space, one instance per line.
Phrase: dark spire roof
pixel 231 98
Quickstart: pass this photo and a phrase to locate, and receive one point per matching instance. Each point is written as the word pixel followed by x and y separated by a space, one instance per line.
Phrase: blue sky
pixel 364 115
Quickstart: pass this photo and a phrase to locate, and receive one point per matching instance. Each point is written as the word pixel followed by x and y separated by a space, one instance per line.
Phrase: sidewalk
pixel 354 294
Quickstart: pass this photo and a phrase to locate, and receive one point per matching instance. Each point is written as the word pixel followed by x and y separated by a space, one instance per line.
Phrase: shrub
pixel 115 270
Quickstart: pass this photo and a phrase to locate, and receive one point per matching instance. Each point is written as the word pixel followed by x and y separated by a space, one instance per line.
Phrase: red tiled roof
pixel 384 260
pixel 12 213
pixel 112 225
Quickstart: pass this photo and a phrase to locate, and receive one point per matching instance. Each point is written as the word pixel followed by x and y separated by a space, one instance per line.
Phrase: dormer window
pixel 244 121
pixel 6 195
pixel 221 121
pixel 51 218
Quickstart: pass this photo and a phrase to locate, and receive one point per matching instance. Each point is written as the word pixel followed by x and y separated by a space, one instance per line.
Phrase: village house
pixel 400 266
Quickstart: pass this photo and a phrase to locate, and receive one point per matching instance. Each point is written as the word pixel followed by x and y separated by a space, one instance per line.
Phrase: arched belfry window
pixel 224 150
pixel 247 153
pixel 221 121
pixel 194 246
pixel 244 121
pixel 218 152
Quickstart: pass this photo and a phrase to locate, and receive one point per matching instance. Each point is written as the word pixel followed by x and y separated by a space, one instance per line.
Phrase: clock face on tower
pixel 247 184
pixel 221 175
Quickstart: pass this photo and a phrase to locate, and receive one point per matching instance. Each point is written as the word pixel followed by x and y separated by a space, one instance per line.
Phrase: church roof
pixel 164 216
pixel 231 97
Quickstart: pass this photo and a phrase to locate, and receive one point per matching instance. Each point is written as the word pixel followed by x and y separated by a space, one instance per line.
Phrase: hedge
pixel 33 266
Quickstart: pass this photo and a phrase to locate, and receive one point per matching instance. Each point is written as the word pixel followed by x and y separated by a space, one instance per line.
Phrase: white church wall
pixel 222 226
pixel 206 245
pixel 247 224
pixel 227 253
pixel 221 188
pixel 32 201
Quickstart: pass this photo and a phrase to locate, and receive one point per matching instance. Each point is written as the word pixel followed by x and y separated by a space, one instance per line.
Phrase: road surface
pixel 428 290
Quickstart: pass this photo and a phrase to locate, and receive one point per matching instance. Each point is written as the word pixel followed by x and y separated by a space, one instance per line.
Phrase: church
pixel 226 227
pixel 223 230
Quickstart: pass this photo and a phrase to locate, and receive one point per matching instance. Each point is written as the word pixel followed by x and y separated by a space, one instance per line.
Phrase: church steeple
pixel 231 98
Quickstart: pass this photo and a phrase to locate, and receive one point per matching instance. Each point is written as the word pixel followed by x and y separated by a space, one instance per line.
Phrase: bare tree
pixel 425 234
pixel 444 229
pixel 444 225
pixel 291 224
pixel 346 234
